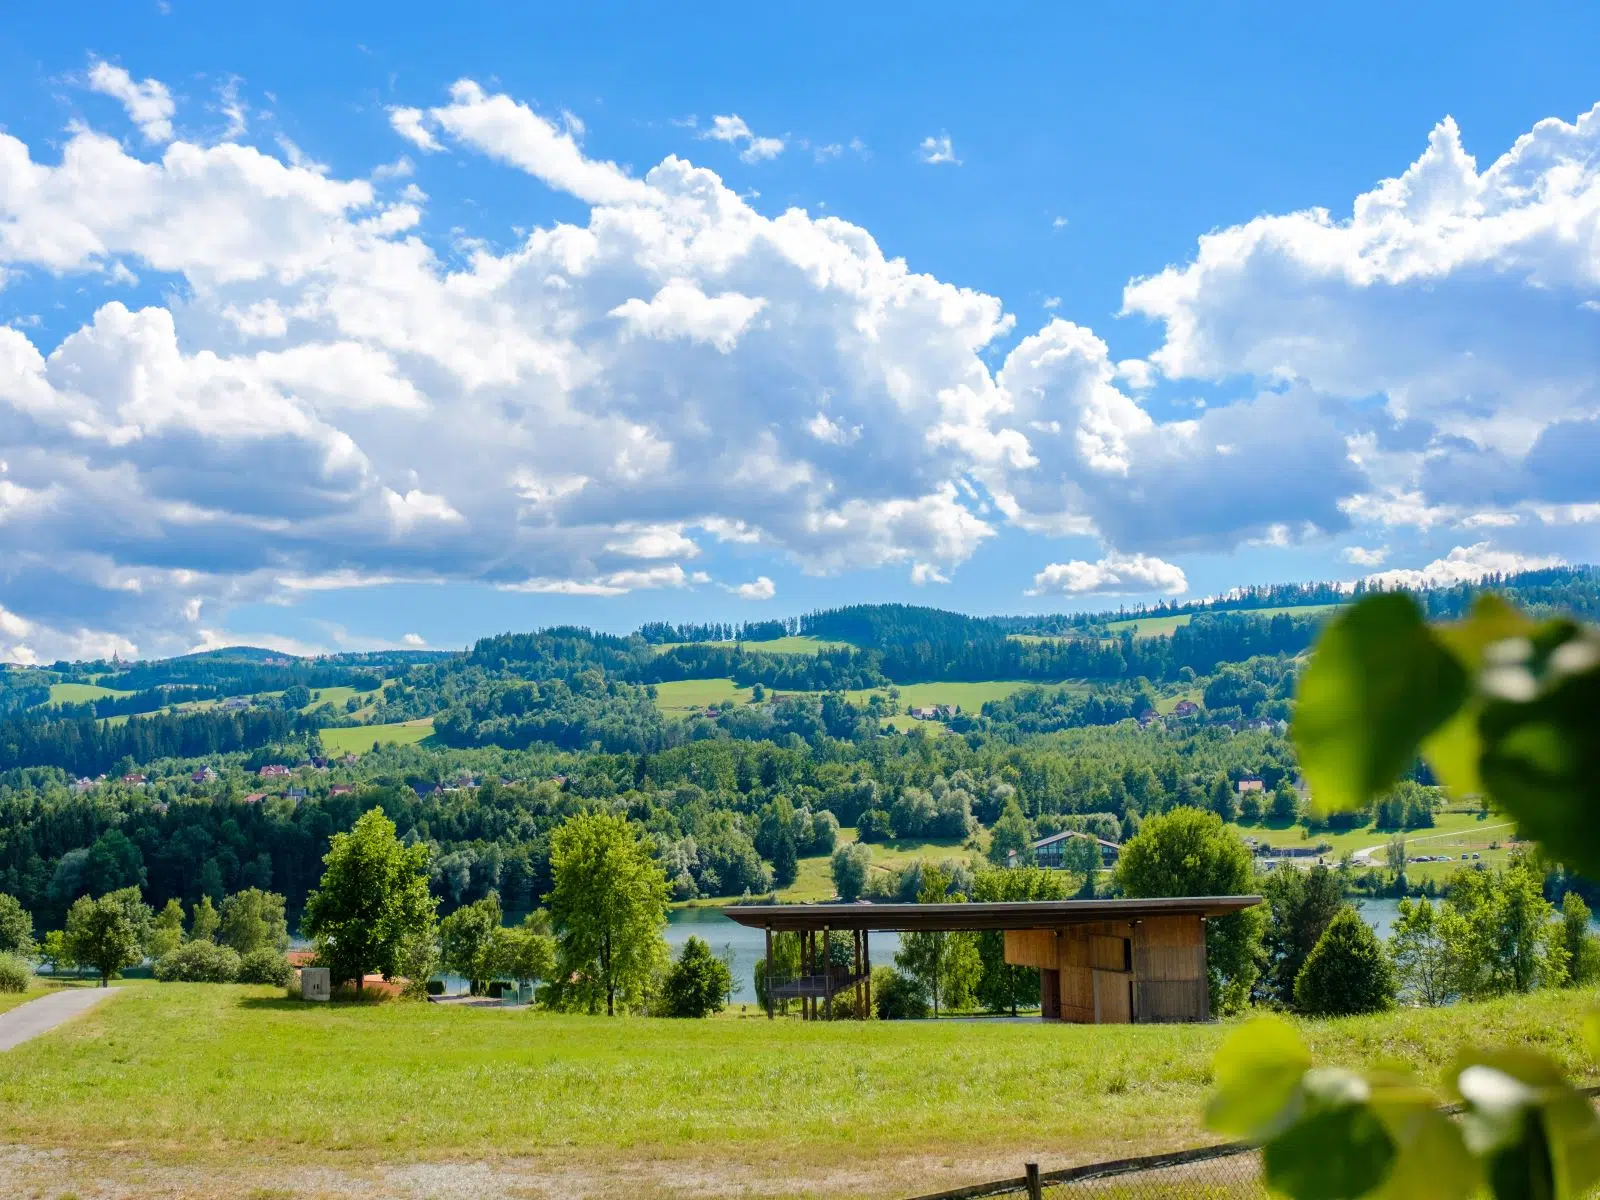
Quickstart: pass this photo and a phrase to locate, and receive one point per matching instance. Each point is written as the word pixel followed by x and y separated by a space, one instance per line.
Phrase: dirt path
pixel 44 1014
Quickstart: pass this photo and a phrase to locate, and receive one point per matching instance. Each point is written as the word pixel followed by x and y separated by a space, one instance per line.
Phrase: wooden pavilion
pixel 1099 961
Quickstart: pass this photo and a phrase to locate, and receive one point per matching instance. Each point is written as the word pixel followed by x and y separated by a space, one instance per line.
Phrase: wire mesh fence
pixel 1226 1172
pixel 1235 1175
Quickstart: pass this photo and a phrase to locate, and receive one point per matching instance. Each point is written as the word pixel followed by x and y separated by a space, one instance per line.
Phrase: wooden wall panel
pixel 1031 947
pixel 1112 998
pixel 1172 1000
pixel 1109 953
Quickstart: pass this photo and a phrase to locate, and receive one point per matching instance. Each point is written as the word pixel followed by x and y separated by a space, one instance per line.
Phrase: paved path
pixel 44 1014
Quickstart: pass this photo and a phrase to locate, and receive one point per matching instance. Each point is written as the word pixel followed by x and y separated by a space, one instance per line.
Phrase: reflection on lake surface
pixel 749 945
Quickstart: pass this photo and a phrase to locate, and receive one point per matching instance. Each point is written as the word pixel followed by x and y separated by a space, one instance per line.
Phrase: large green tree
pixel 698 982
pixel 1011 835
pixel 373 899
pixel 16 927
pixel 1347 972
pixel 609 908
pixel 1420 954
pixel 253 919
pixel 469 942
pixel 1188 852
pixel 849 866
pixel 945 965
pixel 1300 904
pixel 107 934
pixel 1002 986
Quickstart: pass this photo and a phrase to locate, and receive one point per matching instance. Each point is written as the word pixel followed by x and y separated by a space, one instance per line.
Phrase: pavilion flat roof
pixel 1021 914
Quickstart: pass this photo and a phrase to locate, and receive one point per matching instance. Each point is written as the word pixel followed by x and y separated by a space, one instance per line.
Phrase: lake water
pixel 748 946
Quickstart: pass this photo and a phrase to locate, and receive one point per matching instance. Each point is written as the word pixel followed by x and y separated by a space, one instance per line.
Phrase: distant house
pixel 296 793
pixel 273 771
pixel 1147 718
pixel 1251 783
pixel 255 798
pixel 1051 852
pixel 204 775
pixel 82 785
pixel 234 703
pixel 1186 708
pixel 937 712
pixel 342 789
pixel 134 779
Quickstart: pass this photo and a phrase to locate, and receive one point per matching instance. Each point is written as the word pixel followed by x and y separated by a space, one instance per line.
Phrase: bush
pixel 698 983
pixel 265 965
pixel 15 973
pixel 1347 972
pixel 896 997
pixel 198 962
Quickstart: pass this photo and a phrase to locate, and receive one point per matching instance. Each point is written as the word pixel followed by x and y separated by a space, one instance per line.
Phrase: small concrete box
pixel 315 984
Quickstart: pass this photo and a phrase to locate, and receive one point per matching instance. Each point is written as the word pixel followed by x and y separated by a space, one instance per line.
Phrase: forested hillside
pixel 1075 720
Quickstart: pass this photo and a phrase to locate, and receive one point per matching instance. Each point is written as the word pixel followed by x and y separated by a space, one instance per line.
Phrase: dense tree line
pixel 83 746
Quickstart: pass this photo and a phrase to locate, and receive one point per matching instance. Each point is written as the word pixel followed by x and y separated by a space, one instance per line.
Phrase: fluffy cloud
pixel 149 104
pixel 759 588
pixel 1464 299
pixel 1465 564
pixel 329 399
pixel 1113 575
pixel 414 640
pixel 936 150
pixel 732 129
pixel 1365 556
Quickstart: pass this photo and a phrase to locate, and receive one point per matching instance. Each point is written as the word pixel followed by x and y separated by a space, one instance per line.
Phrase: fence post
pixel 1031 1170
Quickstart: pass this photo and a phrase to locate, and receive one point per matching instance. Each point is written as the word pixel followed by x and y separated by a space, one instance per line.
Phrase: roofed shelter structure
pixel 1099 961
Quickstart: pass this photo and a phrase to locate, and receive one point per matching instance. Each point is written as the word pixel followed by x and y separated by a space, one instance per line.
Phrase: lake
pixel 749 946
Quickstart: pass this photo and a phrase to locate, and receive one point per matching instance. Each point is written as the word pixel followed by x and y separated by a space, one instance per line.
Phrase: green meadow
pixel 358 739
pixel 1149 627
pixel 81 693
pixel 214 1085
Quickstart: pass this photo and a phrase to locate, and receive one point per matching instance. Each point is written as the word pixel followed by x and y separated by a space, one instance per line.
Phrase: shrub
pixel 1347 972
pixel 15 973
pixel 198 962
pixel 265 965
pixel 896 997
pixel 698 983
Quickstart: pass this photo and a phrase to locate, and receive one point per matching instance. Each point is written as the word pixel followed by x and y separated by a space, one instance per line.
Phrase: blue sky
pixel 329 325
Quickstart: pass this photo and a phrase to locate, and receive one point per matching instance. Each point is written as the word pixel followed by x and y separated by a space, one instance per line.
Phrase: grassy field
pixel 1147 627
pixel 202 1090
pixel 80 693
pixel 814 879
pixel 358 739
pixel 1452 832
pixel 689 695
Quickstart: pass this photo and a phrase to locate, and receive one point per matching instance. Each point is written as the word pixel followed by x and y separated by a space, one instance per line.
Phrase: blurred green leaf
pixel 1336 1149
pixel 1454 749
pixel 1258 1071
pixel 1538 1136
pixel 1591 1033
pixel 1432 1162
pixel 1540 728
pixel 1378 683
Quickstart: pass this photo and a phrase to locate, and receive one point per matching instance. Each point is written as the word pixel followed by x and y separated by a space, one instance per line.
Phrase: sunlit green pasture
pixel 358 739
pixel 213 1079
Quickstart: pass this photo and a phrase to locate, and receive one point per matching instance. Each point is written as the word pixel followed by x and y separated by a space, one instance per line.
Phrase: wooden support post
pixel 866 962
pixel 805 973
pixel 855 970
pixel 768 966
pixel 1031 1171
pixel 827 977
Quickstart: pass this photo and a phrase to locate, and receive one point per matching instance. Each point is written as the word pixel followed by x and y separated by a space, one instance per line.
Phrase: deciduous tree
pixel 373 899
pixel 608 907
pixel 1187 852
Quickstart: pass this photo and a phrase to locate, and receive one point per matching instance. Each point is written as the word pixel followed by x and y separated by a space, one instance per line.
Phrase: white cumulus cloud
pixel 148 102
pixel 759 588
pixel 935 150
pixel 753 149
pixel 1116 574
pixel 1465 564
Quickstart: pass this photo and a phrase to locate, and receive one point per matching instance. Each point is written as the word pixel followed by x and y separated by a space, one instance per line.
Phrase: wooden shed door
pixel 1113 1001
